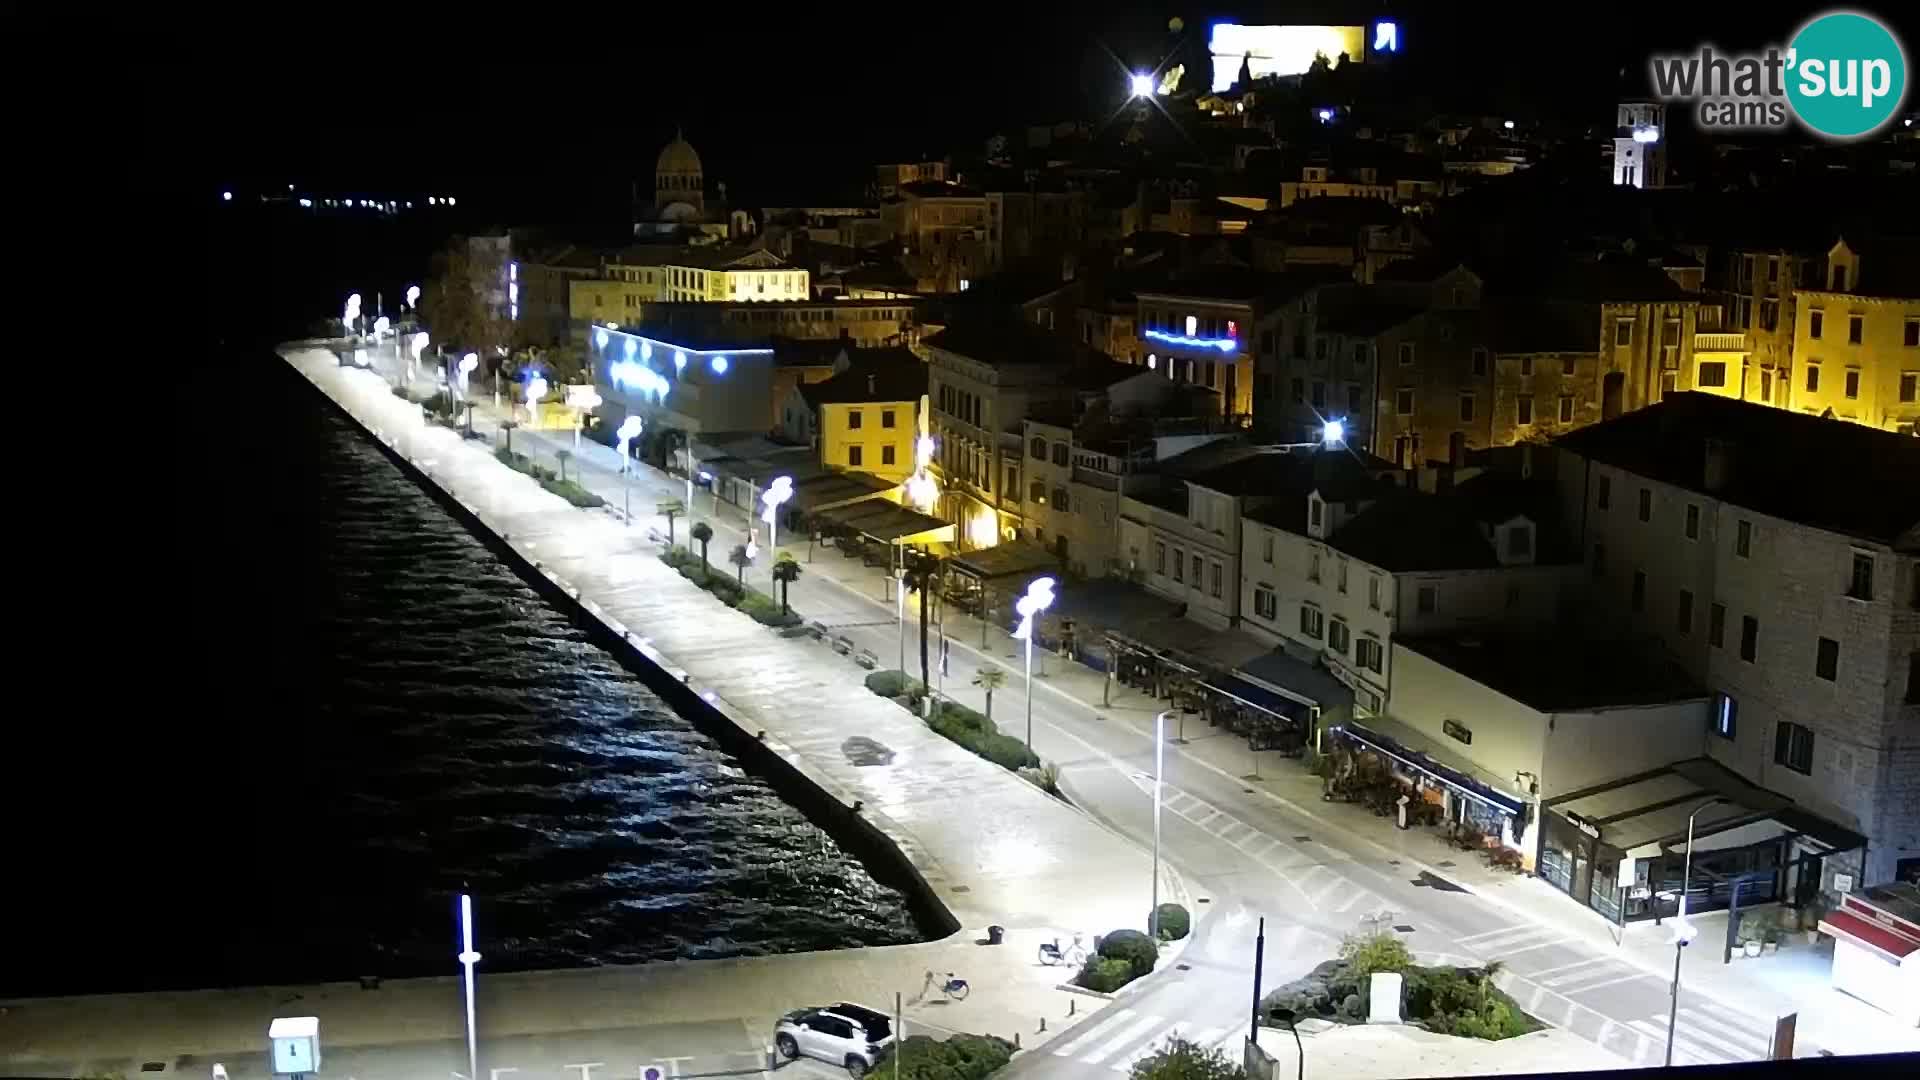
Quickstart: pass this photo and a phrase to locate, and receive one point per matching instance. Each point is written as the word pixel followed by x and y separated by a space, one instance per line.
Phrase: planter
pixel 1769 948
pixel 1813 937
pixel 1752 948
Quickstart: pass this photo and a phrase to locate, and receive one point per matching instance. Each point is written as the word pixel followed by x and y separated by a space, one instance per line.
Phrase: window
pixel 1196 571
pixel 1743 539
pixel 1519 542
pixel 1524 410
pixel 1060 502
pixel 1816 322
pixel 1599 560
pixel 1646 505
pixel 1712 373
pixel 1566 365
pixel 1403 401
pixel 1426 599
pixel 1909 386
pixel 1853 384
pixel 1061 455
pixel 886 454
pixel 1856 326
pixel 853 456
pixel 1368 653
pixel 1793 747
pixel 1373 591
pixel 1480 362
pixel 1160 559
pixel 1623 331
pixel 1639 590
pixel 1566 408
pixel 1813 377
pixel 1319 395
pixel 1910 334
pixel 1357 401
pixel 1773 268
pixel 1725 714
pixel 1179 565
pixel 886 418
pixel 1693 521
pixel 1340 576
pixel 1526 366
pixel 1683 618
pixel 1264 604
pixel 1266 549
pixel 1861 586
pixel 1406 354
pixel 1215 571
pixel 1826 659
pixel 1313 568
pixel 1466 408
pixel 1716 625
pixel 1299 391
pixel 1037 491
pixel 1312 622
pixel 1338 636
pixel 1749 638
pixel 1038 449
pixel 1603 492
pixel 1013 484
pixel 853 419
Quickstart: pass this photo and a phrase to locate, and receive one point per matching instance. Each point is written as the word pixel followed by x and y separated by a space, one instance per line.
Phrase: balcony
pixel 1721 342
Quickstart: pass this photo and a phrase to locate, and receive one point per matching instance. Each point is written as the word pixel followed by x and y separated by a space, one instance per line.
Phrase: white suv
pixel 845 1034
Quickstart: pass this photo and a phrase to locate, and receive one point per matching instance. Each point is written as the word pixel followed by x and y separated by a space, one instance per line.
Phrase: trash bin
pixel 996 935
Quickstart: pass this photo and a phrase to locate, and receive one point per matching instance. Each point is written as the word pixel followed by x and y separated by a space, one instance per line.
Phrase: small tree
pixel 561 456
pixel 785 571
pixel 508 426
pixel 1183 1060
pixel 740 560
pixel 989 679
pixel 669 509
pixel 702 533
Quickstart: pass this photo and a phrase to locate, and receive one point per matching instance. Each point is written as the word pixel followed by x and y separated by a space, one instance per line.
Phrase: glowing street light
pixel 352 314
pixel 922 489
pixel 629 431
pixel 468 957
pixel 380 326
pixel 776 494
pixel 585 403
pixel 468 363
pixel 1141 84
pixel 1038 598
pixel 1159 752
pixel 413 298
pixel 536 389
pixel 1333 433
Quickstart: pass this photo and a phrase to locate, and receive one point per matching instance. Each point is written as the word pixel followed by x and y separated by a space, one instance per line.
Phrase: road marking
pixel 1336 883
pixel 1209 1038
pixel 1093 1033
pixel 1125 1038
pixel 1699 1043
pixel 1732 1032
pixel 1656 1036
pixel 1510 950
pixel 1540 976
pixel 1145 1049
pixel 1358 896
pixel 1631 976
pixel 1518 932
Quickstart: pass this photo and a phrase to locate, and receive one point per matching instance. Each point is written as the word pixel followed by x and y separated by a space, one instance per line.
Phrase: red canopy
pixel 1866 932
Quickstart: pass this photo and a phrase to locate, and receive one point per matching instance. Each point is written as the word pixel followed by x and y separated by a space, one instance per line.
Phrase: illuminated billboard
pixel 1279 50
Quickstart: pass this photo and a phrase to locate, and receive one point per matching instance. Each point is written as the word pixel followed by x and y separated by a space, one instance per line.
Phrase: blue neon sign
pixel 1223 344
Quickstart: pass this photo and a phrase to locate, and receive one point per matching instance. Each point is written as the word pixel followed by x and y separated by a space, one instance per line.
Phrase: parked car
pixel 845 1034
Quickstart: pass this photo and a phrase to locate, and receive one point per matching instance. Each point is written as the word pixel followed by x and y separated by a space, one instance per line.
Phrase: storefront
pixel 1876 948
pixel 1621 847
pixel 1268 720
pixel 1446 790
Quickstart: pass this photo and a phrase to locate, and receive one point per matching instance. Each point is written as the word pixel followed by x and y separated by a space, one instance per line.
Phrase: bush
pixel 1132 946
pixel 1005 751
pixel 1174 922
pixel 960 1057
pixel 1179 1059
pixel 1368 953
pixel 894 684
pixel 1103 974
pixel 766 610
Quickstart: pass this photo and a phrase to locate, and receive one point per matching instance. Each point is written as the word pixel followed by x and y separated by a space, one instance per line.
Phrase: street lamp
pixel 1285 1016
pixel 1159 758
pixel 1683 932
pixel 467 959
pixel 1038 598
pixel 413 298
pixel 585 403
pixel 536 389
pixel 1141 84
pixel 777 493
pixel 629 431
pixel 352 313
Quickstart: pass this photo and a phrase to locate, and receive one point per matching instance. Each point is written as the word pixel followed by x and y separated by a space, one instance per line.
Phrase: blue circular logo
pixel 1847 75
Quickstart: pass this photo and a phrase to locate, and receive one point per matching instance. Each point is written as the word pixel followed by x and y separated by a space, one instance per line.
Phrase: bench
pixel 843 645
pixel 867 659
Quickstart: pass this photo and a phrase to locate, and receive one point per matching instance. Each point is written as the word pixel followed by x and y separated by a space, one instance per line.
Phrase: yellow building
pixel 1856 350
pixel 653 273
pixel 868 417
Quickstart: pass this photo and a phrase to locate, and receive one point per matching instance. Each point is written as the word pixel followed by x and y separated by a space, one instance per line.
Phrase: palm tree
pixel 667 508
pixel 741 560
pixel 508 426
pixel 562 456
pixel 785 571
pixel 922 574
pixel 703 533
pixel 989 679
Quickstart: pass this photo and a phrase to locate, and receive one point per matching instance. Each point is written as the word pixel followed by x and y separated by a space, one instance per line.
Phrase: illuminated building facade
pixel 868 417
pixel 1200 328
pixel 694 386
pixel 1640 145
pixel 1857 338
pixel 942 232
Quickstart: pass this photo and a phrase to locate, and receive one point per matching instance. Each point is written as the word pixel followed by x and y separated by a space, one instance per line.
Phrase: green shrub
pixel 1179 1059
pixel 1005 751
pixel 1174 922
pixel 1464 1002
pixel 969 719
pixel 1104 974
pixel 1368 953
pixel 399 391
pixel 1132 946
pixel 893 684
pixel 959 1057
pixel 766 610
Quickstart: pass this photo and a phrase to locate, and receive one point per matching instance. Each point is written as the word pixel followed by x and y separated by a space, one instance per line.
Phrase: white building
pixel 1338 575
pixel 1640 145
pixel 1777 557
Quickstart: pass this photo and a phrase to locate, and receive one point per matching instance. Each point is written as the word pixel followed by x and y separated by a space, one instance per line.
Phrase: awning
pixel 812 495
pixel 1256 697
pixel 1416 752
pixel 889 523
pixel 1005 564
pixel 1868 934
pixel 1120 642
pixel 1646 813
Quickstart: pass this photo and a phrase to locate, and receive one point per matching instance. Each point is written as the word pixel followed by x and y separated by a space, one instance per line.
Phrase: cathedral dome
pixel 679 158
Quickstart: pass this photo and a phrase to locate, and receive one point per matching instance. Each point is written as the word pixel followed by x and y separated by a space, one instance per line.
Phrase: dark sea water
pixel 356 709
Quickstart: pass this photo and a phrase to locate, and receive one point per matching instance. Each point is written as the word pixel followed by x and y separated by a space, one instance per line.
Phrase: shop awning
pixel 1864 932
pixel 1013 563
pixel 889 523
pixel 1421 754
pixel 810 496
pixel 1256 697
pixel 1647 812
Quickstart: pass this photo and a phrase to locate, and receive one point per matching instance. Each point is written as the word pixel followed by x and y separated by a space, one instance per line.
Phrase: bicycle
pixel 1074 955
pixel 951 985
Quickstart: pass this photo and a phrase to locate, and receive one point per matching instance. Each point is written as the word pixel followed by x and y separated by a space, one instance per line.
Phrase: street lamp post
pixel 1038 598
pixel 629 431
pixel 1300 1053
pixel 468 957
pixel 1682 932
pixel 773 498
pixel 900 613
pixel 536 389
pixel 1159 759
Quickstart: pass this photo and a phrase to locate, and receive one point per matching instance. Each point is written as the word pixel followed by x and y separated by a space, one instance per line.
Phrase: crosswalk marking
pixel 1125 1062
pixel 1208 1038
pixel 1541 975
pixel 1125 1038
pixel 1710 1036
pixel 1580 987
pixel 1512 950
pixel 1093 1033
pixel 1732 1033
pixel 1684 1051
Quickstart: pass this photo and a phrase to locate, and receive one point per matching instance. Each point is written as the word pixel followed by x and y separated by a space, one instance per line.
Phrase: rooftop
pixel 1338 474
pixel 1828 474
pixel 1249 286
pixel 898 376
pixel 1426 267
pixel 1889 265
pixel 1553 673
pixel 1003 341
